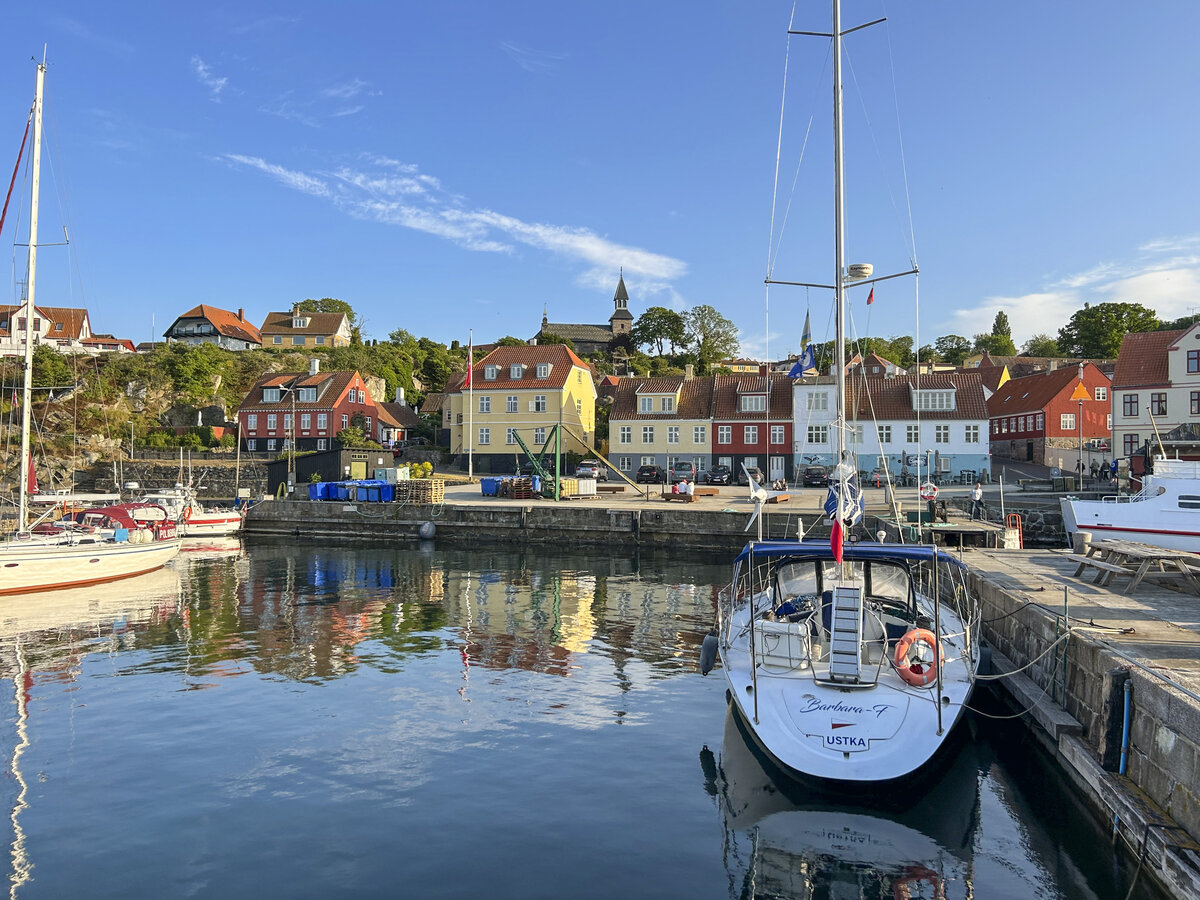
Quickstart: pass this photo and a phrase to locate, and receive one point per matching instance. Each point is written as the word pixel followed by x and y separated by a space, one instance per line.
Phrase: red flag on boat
pixel 31 481
pixel 871 297
pixel 835 539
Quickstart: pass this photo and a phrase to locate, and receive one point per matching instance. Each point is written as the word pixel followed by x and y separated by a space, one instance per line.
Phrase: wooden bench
pixel 705 491
pixel 610 489
pixel 779 498
pixel 1107 571
pixel 686 498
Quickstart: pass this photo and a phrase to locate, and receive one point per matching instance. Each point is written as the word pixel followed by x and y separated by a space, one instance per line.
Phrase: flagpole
pixel 470 405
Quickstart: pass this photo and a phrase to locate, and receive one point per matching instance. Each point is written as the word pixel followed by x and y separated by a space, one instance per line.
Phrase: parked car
pixel 755 472
pixel 681 470
pixel 592 468
pixel 718 475
pixel 650 475
pixel 815 476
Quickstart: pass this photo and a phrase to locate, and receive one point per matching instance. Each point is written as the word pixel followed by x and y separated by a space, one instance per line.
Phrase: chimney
pixel 400 396
pixel 241 314
pixel 689 372
pixel 1051 365
pixel 314 366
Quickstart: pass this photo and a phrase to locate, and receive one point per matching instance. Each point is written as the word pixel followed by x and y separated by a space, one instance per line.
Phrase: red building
pixel 752 423
pixel 1038 418
pixel 310 408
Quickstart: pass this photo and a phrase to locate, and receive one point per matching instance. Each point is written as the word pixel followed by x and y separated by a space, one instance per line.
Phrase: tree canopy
pixel 1040 345
pixel 1095 332
pixel 952 348
pixel 659 326
pixel 710 336
pixel 330 305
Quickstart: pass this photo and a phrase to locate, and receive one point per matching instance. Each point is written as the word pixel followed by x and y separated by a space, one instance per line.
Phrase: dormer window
pixel 646 405
pixel 668 404
pixel 754 403
pixel 489 373
pixel 515 371
pixel 58 326
pixel 300 321
pixel 935 400
pixel 308 395
pixel 271 395
pixel 543 370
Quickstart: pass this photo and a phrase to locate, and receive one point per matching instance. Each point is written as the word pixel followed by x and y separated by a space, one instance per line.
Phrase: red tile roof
pixel 728 388
pixel 70 318
pixel 1142 361
pixel 330 387
pixel 559 356
pixel 225 322
pixel 695 397
pixel 318 323
pixel 1031 393
pixel 890 399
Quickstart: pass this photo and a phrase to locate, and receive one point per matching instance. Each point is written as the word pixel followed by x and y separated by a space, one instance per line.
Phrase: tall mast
pixel 27 365
pixel 839 237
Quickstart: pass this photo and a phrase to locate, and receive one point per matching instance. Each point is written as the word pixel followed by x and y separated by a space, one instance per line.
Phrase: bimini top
pixel 864 550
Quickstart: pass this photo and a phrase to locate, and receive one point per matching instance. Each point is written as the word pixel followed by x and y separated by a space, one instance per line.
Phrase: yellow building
pixel 522 391
pixel 661 421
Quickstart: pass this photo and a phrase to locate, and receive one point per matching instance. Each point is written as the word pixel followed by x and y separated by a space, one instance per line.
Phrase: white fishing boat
pixel 99 544
pixel 849 660
pixel 193 518
pixel 1164 513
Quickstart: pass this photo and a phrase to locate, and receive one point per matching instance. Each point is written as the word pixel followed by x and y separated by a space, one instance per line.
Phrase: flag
pixel 470 362
pixel 806 362
pixel 806 337
pixel 31 486
pixel 871 297
pixel 835 540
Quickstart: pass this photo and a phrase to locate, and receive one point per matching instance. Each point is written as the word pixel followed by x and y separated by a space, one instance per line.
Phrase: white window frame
pixel 972 433
pixel 625 435
pixel 941 434
pixel 271 395
pixel 668 404
pixel 1066 421
pixel 699 434
pixel 485 436
pixel 912 434
pixel 272 422
pixel 510 435
pixel 724 434
pixel 322 421
pixel 539 436
pixel 539 403
pixel 647 434
pixel 252 422
pixel 818 434
pixel 750 435
pixel 778 435
pixel 490 372
pixel 645 404
pixel 753 403
pixel 485 403
pixel 543 370
pixel 817 400
pixel 885 434
pixel 672 434
pixel 511 403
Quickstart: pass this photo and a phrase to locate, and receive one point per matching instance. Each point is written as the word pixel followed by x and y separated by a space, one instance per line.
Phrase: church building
pixel 589 339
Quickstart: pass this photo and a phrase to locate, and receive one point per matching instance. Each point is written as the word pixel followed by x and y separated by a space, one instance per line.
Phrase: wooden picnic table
pixel 1115 558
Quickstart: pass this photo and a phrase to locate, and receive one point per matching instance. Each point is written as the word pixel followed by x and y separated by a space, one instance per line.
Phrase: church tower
pixel 621 321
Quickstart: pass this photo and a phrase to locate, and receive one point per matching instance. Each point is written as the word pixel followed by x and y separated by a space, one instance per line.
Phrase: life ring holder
pixel 929 491
pixel 915 673
pixel 187 514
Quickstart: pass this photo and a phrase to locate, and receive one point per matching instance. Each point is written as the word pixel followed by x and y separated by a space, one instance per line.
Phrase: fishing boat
pixel 97 544
pixel 1164 513
pixel 850 660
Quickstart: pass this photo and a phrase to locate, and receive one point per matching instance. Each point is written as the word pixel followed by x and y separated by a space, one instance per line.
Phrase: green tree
pixel 1095 332
pixel 710 336
pixel 509 341
pixel 547 338
pixel 1040 345
pixel 1000 325
pixel 952 348
pixel 659 326
pixel 995 344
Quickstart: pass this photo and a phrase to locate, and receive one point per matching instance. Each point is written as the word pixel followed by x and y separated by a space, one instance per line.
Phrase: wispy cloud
pixel 346 90
pixel 327 103
pixel 205 74
pixel 533 60
pixel 1164 276
pixel 392 192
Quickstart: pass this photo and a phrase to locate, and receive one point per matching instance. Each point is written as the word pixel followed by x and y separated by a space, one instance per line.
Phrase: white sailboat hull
pixel 33 566
pixel 1165 513
pixel 211 524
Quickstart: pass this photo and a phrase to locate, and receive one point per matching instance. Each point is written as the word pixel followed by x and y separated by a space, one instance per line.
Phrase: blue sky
pixel 447 166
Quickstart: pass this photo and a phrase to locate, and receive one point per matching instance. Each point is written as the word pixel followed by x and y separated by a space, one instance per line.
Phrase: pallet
pixel 422 490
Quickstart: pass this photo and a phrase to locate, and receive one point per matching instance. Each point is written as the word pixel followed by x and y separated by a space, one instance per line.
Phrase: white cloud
pixel 345 90
pixel 533 60
pixel 296 180
pixel 204 72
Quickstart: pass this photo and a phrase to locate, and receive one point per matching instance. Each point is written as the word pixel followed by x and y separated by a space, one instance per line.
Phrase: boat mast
pixel 839 244
pixel 27 364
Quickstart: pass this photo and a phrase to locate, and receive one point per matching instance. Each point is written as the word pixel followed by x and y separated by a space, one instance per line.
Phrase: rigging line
pixel 61 192
pixel 900 140
pixel 779 143
pixel 16 170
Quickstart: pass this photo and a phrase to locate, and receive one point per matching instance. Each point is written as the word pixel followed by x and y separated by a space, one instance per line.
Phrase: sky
pixel 454 167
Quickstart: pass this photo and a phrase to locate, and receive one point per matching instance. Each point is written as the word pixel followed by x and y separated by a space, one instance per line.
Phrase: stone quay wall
pixel 217 479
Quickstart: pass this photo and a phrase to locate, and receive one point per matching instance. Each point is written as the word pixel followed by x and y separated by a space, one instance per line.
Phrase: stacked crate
pixel 422 490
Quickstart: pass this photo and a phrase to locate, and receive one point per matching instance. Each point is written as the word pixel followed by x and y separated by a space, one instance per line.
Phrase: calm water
pixel 299 721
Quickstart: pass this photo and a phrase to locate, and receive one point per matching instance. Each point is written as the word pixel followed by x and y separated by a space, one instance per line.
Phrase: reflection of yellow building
pixel 521 390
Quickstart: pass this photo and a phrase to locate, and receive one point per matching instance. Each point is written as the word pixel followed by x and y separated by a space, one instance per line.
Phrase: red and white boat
pixel 193 517
pixel 1164 513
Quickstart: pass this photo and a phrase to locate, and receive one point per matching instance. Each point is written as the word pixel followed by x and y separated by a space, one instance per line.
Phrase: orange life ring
pixel 914 671
pixel 187 514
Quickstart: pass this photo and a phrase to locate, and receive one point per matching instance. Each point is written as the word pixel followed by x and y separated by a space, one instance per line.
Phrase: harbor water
pixel 287 719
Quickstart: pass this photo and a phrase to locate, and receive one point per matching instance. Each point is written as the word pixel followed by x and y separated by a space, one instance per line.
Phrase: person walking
pixel 976 502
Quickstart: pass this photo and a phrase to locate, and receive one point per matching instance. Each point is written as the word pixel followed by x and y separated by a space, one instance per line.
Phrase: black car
pixel 718 475
pixel 815 476
pixel 650 475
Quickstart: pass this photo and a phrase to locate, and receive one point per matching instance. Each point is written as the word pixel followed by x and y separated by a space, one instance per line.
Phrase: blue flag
pixel 855 502
pixel 806 361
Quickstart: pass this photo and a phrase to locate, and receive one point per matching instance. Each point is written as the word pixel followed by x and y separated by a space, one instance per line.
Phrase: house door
pixel 358 469
pixel 1029 451
pixel 776 468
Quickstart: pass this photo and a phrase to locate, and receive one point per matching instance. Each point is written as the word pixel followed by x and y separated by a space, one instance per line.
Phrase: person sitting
pixel 675 488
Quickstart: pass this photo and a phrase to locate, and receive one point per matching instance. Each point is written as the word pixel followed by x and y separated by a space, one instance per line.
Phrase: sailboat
pixel 849 660
pixel 95 545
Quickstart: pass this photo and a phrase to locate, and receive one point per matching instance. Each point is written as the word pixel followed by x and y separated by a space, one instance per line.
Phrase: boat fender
pixel 708 653
pixel 187 514
pixel 427 531
pixel 910 666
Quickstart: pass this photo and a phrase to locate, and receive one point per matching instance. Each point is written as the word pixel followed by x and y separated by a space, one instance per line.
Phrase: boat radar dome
pixel 859 271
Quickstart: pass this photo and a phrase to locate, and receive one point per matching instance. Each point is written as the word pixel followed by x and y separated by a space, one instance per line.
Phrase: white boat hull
pixel 34 566
pixel 210 524
pixel 1165 513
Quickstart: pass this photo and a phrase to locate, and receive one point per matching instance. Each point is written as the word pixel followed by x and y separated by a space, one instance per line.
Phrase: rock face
pixel 91 472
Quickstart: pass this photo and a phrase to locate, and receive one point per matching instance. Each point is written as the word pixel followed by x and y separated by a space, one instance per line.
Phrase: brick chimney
pixel 241 314
pixel 689 372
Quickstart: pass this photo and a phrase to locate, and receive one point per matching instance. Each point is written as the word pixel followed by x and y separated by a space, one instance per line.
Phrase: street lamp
pixel 1081 427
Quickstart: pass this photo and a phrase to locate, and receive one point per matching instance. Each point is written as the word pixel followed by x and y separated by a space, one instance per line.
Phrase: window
pixel 1020 423
pixel 305 421
pixel 367 425
pixel 726 461
pixel 1193 362
pixel 626 434
pixel 322 443
pixel 885 434
pixel 539 436
pixel 539 403
pixel 251 444
pixel 515 371
pixel 647 434
pixel 647 460
pixel 625 463
pixel 776 434
pixel 277 339
pixel 272 422
pixel 912 434
pixel 818 400
pixel 972 435
pixel 489 373
pixel 1066 421
pixel 345 421
pixel 668 404
pixel 308 395
pixel 930 400
pixel 298 340
pixel 510 403
pixel 362 396
pixel 510 435
pixel 699 434
pixel 543 370
pixel 818 434
pixel 1189 501
pixel 485 404
pixel 1129 405
pixel 750 434
pixel 672 434
pixel 1041 421
pixel 1158 404
pixel 754 403
pixel 1130 445
pixel 272 444
pixel 579 407
pixel 646 404
pixel 941 434
pixel 1196 403
pixel 1004 426
pixel 319 339
pixel 252 421
pixel 1102 393
pixel 323 421
pixel 485 436
pixel 271 395
pixel 724 434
